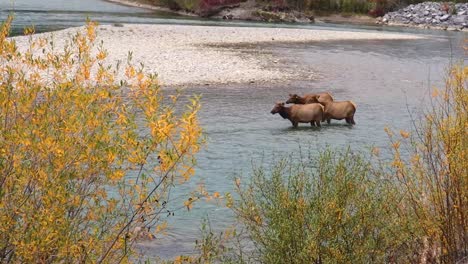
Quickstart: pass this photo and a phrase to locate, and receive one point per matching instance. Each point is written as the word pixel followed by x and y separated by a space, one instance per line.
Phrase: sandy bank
pixel 183 55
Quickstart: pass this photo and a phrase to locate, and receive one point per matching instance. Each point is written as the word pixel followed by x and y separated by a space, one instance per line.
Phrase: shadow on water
pixel 303 129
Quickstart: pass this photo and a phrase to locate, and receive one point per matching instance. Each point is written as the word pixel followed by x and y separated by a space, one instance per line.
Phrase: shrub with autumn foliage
pixel 435 176
pixel 331 208
pixel 85 160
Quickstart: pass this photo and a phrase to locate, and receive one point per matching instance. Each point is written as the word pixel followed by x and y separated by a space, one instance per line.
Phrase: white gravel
pixel 182 55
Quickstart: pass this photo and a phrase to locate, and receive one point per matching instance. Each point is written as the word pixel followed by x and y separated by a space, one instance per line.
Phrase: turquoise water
pixel 58 14
pixel 389 80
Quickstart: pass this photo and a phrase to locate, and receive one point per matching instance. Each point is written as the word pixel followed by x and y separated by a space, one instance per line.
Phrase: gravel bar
pixel 183 55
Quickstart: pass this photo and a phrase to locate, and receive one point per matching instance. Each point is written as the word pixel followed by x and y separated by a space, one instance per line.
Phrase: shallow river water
pixel 390 81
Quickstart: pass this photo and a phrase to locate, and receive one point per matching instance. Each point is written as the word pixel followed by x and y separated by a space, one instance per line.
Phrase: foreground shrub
pixel 435 176
pixel 337 211
pixel 85 164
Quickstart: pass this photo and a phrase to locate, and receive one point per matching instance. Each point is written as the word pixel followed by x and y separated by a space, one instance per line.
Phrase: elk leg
pixel 328 120
pixel 318 123
pixel 294 124
pixel 312 123
pixel 352 120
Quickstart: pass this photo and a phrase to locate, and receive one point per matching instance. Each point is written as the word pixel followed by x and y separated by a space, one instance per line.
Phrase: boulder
pixel 460 20
pixel 444 17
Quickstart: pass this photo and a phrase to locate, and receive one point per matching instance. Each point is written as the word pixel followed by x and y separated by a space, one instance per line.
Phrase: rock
pixel 269 16
pixel 444 17
pixel 459 20
pixel 274 16
pixel 461 13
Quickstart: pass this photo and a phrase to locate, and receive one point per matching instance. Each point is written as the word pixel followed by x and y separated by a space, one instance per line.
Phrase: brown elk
pixel 340 110
pixel 309 98
pixel 308 113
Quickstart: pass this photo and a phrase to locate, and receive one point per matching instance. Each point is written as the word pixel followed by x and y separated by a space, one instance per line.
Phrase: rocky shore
pixel 447 16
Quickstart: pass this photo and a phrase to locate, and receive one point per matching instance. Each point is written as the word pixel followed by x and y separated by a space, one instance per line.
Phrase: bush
pixel 435 176
pixel 338 211
pixel 85 164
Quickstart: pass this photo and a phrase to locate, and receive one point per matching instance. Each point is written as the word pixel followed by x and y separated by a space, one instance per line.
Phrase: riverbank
pixel 184 55
pixel 248 11
pixel 428 15
pixel 147 5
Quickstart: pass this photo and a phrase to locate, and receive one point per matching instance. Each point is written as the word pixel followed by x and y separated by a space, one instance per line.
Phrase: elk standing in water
pixel 308 113
pixel 309 98
pixel 340 110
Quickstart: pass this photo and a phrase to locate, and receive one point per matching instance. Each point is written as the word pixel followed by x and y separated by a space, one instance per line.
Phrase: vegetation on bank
pixel 371 7
pixel 344 207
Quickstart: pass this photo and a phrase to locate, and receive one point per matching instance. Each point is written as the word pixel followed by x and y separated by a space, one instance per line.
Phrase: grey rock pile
pixel 448 16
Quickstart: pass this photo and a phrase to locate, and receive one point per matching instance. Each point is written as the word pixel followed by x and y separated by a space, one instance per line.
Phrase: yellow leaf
pixel 404 134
